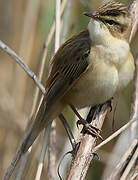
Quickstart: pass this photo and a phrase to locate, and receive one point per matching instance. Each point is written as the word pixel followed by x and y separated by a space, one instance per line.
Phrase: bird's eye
pixel 110 22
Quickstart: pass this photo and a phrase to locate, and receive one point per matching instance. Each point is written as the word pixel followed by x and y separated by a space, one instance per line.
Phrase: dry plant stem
pixel 11 53
pixel 115 134
pixel 130 165
pixel 48 40
pixel 52 140
pixel 11 167
pixel 84 154
pixel 52 153
pixel 66 21
pixel 26 47
pixel 133 175
pixel 43 152
pixel 117 171
pixel 29 23
pixel 58 24
pixel 22 165
pixel 68 130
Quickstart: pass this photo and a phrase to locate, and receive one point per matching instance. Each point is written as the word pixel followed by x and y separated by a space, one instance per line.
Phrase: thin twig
pixel 22 165
pixel 11 53
pixel 68 130
pixel 130 165
pixel 122 129
pixel 124 160
pixel 134 175
pixel 43 152
pixel 28 26
pixel 58 25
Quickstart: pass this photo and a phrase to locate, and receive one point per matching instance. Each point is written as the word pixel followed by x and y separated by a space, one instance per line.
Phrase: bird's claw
pixel 88 128
pixel 96 155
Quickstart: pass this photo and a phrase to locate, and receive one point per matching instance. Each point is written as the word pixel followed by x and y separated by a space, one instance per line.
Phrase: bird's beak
pixel 91 14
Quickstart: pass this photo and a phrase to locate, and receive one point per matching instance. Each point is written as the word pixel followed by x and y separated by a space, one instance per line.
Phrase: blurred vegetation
pixel 17 89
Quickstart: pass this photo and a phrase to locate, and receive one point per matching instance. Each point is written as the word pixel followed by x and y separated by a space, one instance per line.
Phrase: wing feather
pixel 68 64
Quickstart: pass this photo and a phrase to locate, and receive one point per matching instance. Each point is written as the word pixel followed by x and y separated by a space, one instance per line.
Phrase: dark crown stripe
pixel 112 8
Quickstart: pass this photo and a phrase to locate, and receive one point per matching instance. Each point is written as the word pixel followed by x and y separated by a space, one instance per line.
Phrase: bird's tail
pixel 30 136
pixel 43 118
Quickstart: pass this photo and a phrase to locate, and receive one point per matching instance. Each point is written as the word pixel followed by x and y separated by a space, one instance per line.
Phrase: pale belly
pixel 96 86
pixel 100 82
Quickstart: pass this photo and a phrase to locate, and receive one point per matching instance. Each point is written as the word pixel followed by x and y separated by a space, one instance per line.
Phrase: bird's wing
pixel 70 61
pixel 68 64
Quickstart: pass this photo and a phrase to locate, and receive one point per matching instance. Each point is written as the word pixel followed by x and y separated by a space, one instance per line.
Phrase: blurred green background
pixel 24 25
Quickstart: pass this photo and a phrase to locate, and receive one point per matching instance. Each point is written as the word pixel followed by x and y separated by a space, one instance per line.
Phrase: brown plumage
pixel 113 8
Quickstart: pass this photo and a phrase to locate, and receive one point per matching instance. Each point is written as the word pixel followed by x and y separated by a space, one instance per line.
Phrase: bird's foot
pixel 89 129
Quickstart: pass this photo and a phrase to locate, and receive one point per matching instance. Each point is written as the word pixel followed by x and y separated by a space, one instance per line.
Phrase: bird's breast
pixel 95 86
pixel 102 79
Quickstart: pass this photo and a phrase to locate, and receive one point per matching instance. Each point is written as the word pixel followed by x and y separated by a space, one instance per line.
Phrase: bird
pixel 89 68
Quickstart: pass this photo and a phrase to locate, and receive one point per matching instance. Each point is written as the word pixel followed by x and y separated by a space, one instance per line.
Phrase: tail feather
pixel 30 138
pixel 43 118
pixel 35 128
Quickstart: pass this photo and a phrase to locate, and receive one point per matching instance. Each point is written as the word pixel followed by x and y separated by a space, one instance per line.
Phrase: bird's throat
pixel 114 50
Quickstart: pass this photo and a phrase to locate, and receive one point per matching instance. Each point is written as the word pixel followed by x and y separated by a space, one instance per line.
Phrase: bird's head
pixel 112 18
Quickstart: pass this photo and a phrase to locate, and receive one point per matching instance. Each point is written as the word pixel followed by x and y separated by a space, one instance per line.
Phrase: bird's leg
pixel 76 112
pixel 70 135
pixel 88 128
pixel 94 111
